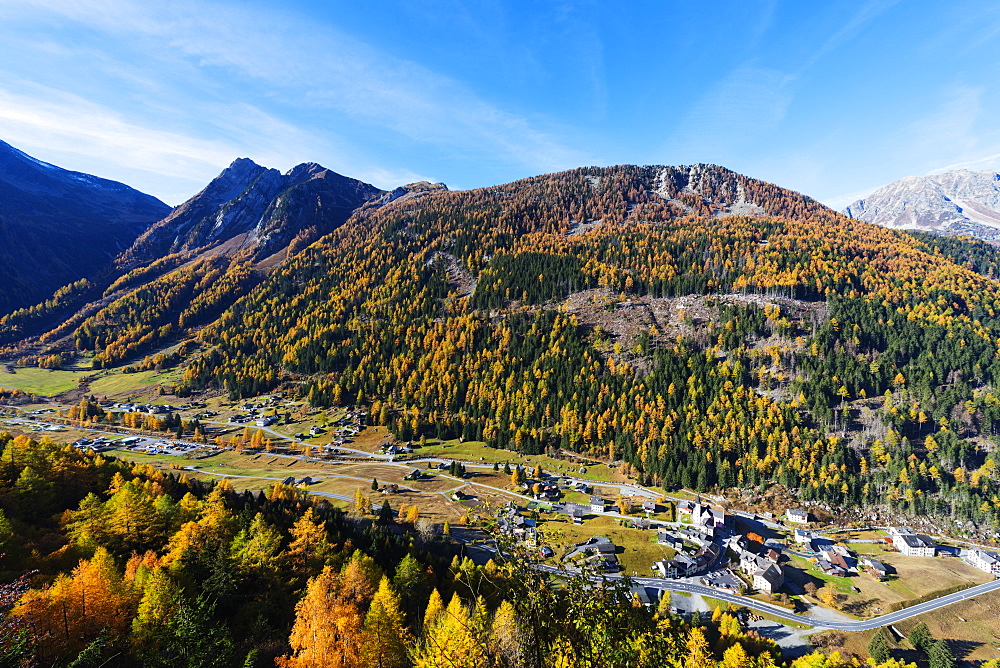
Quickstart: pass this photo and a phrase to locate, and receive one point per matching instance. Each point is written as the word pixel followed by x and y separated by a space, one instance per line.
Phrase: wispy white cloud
pixel 960 133
pixel 987 163
pixel 739 110
pixel 60 124
pixel 868 12
pixel 299 63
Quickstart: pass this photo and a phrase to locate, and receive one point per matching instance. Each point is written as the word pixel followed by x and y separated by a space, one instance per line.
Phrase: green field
pixel 43 382
pixel 641 549
pixel 49 382
pixel 868 548
pixel 475 451
pixel 118 383
pixel 843 584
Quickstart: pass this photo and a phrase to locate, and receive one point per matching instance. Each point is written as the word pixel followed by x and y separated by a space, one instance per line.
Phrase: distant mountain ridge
pixel 256 209
pixel 58 226
pixel 951 203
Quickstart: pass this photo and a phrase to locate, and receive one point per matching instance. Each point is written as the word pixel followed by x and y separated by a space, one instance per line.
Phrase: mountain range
pixel 648 314
pixel 668 326
pixel 959 202
pixel 240 226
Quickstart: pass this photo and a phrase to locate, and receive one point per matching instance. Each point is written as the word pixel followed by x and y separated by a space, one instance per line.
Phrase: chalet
pixel 829 568
pixel 738 543
pixel 391 488
pixel 683 565
pixel 304 481
pixel 797 516
pixel 694 536
pixel 640 523
pixel 875 567
pixel 835 558
pixel 771 555
pixel 912 544
pixel 665 537
pixel 985 560
pixel 597 549
pixel 768 580
pixel 750 563
pixel 316 431
pixel 290 480
pixel 649 506
pixel 576 511
pixel 596 504
pixel 415 474
pixel 666 568
pixel 267 420
pixel 685 507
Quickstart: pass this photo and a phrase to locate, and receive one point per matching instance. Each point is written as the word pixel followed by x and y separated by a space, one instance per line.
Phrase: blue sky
pixel 832 99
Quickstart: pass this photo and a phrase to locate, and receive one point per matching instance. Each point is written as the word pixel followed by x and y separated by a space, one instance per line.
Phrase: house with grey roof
pixel 912 544
pixel 768 580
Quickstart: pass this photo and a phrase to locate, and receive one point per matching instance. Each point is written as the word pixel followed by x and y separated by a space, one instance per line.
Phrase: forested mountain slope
pixel 58 226
pixel 207 253
pixel 621 312
pixel 820 348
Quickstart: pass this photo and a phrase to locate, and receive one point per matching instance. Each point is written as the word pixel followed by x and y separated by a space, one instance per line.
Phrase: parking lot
pixel 161 447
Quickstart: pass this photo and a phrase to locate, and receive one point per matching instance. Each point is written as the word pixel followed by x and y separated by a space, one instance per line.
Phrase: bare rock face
pixel 951 203
pixel 256 209
pixel 58 226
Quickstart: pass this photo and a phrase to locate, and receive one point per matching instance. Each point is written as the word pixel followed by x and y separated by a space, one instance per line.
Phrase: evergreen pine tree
pixel 385 513
pixel 939 655
pixel 878 648
pixel 920 637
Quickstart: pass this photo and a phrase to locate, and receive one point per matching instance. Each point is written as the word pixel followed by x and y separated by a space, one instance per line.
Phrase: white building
pixel 912 544
pixel 768 580
pixel 705 518
pixel 596 504
pixel 797 516
pixel 984 560
pixel 803 537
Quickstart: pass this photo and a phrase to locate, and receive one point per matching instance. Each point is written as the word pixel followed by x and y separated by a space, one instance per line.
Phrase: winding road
pixel 861 625
pixel 782 613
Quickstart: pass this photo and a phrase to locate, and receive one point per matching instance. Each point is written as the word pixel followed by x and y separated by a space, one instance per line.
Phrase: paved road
pixel 862 625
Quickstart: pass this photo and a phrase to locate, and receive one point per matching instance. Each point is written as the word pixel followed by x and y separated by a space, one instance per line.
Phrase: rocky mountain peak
pixel 956 202
pixel 250 207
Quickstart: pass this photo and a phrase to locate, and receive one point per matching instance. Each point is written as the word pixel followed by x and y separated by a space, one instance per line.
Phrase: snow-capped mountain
pixel 950 203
